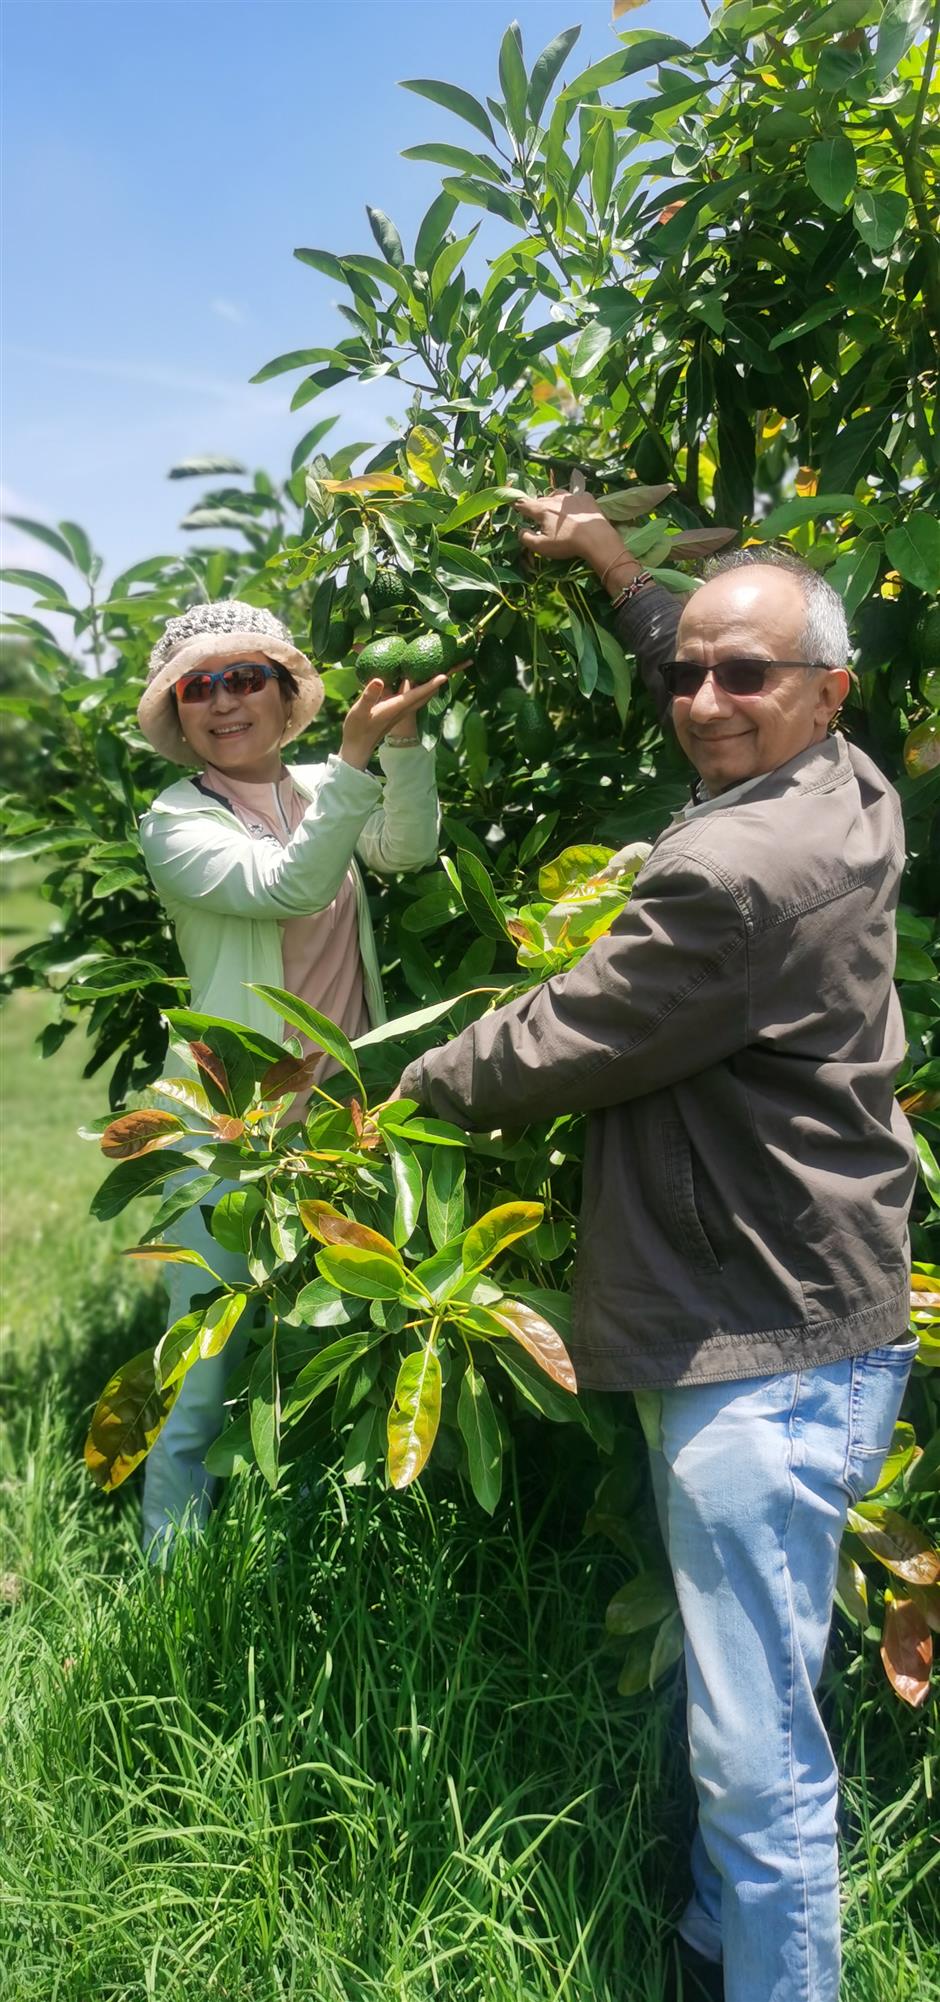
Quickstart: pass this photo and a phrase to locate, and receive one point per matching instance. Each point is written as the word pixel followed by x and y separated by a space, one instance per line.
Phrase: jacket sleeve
pixel 198 859
pixel 647 627
pixel 661 997
pixel 403 831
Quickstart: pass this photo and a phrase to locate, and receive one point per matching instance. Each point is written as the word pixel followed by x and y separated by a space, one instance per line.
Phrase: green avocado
pixel 385 657
pixel 535 736
pixel 338 638
pixel 387 588
pixel 430 654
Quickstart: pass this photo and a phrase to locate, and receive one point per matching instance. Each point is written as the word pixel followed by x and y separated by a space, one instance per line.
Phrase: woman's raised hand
pixel 380 712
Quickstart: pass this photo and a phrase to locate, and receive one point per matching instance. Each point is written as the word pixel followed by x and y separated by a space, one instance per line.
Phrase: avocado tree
pixel 706 281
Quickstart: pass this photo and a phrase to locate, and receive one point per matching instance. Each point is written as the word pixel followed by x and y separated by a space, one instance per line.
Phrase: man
pixel 743 1240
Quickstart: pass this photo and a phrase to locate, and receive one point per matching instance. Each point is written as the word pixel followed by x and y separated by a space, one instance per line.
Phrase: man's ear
pixel 833 688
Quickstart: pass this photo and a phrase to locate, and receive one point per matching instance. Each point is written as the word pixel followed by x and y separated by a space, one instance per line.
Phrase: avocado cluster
pixel 394 657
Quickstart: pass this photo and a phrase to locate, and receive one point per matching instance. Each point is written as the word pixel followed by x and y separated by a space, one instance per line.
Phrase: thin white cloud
pixel 152 375
pixel 227 310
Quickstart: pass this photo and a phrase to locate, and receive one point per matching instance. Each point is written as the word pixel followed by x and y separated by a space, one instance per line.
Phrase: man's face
pixel 754 614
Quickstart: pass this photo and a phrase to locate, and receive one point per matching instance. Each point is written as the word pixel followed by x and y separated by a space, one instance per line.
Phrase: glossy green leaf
pixel 641 49
pixel 477 165
pixel 913 547
pixel 477 1420
pixel 879 218
pixel 831 170
pixel 264 1407
pixel 898 30
pixel 365 1274
pixel 454 99
pixel 643 1602
pixel 590 349
pixel 386 236
pixel 414 1416
pixel 547 67
pixel 432 229
pixel 493 1233
pixel 317 1027
pixel 445 1195
pixel 929 1167
pixel 136 1178
pixel 325 1369
pixel 513 79
pixel 408 1180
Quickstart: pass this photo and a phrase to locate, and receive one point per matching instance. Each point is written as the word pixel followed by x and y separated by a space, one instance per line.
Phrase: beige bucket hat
pixel 207 633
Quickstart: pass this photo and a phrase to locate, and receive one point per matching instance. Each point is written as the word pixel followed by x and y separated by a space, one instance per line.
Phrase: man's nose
pixel 710 700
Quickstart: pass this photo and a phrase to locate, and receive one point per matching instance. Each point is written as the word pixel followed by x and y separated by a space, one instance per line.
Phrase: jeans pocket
pixel 879 1380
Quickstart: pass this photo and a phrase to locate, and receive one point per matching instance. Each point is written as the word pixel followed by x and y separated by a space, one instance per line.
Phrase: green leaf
pixel 134 1178
pixel 859 577
pixel 515 83
pixel 386 236
pixel 365 1445
pixel 912 963
pixel 432 229
pixel 640 50
pixel 408 1179
pixel 318 1027
pixel 384 274
pixel 310 441
pixel 34 580
pixel 50 536
pixel 500 1227
pixel 425 455
pixel 476 165
pixel 422 1018
pixel 415 1416
pixel 445 1195
pixel 475 504
pixel 914 549
pixel 297 358
pixel 546 68
pixel 829 308
pixel 446 264
pixel 879 218
pixel 831 170
pixel 365 1274
pixel 232 1219
pixel 323 260
pixel 808 507
pixel 176 1205
pixel 82 553
pixel 264 1408
pixel 453 99
pixel 929 1167
pixel 324 1370
pixel 898 30
pixel 536 1389
pixel 477 1420
pixel 498 201
pixel 479 896
pixel 590 348
pixel 642 1602
pixel 231 1452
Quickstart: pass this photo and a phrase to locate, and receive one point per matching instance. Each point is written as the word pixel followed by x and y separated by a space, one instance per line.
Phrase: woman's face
pixel 240 734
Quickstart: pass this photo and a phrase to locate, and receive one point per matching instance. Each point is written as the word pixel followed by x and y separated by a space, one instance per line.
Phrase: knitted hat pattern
pixel 208 633
pixel 229 615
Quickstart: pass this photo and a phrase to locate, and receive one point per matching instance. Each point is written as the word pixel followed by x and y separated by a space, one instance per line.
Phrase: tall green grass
pixel 357 1747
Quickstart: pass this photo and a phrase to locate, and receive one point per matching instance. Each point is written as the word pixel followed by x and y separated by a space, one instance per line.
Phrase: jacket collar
pixel 191 796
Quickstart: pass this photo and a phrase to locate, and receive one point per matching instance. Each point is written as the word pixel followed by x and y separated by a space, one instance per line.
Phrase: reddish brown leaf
pixel 916 1103
pixel 365 1129
pixel 541 1340
pixel 327 1224
pixel 140 1133
pixel 211 1064
pixel 906 1650
pixel 927 1601
pixel 672 208
pixel 227 1128
pixel 290 1073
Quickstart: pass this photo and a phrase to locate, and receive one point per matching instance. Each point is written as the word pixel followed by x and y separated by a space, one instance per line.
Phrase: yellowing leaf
pixel 331 1227
pixel 625 7
pixel 498 1228
pixel 367 483
pixel 898 1544
pixel 414 1417
pixel 891 585
pixel 772 426
pixel 807 482
pixel 132 1409
pixel 425 455
pixel 906 1650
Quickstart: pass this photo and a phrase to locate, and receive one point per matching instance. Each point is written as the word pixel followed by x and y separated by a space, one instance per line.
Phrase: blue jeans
pixel 753 1480
pixel 177 1489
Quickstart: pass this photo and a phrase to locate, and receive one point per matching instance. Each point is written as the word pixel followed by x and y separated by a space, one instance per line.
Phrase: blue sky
pixel 161 159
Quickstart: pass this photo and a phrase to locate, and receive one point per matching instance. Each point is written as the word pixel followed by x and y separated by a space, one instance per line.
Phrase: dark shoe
pixel 692 1978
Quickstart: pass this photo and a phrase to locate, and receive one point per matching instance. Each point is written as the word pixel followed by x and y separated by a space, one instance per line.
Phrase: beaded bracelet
pixel 630 590
pixel 401 743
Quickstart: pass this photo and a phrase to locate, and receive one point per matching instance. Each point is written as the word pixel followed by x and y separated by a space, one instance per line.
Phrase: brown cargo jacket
pixel 734 1039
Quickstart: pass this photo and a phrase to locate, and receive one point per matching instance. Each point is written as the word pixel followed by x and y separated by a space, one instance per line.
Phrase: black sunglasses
pixel 736 677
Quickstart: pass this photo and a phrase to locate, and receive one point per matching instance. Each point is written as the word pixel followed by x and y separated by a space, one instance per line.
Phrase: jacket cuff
pixel 411 1082
pixel 359 789
pixel 407 762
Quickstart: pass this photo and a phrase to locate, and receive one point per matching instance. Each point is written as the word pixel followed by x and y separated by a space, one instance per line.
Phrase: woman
pixel 254 863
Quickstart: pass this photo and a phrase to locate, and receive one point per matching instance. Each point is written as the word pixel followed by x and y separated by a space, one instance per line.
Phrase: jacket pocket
pixel 685 1222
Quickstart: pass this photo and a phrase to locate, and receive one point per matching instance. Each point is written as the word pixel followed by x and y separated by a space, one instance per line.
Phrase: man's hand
pixel 381 711
pixel 571 527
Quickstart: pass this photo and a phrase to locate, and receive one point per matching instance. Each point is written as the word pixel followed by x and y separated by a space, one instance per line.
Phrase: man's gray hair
pixel 825 635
